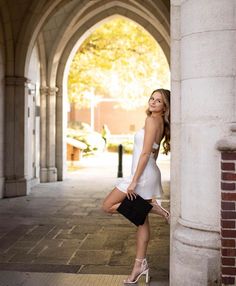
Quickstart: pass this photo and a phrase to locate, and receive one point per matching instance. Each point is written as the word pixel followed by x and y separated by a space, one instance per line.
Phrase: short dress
pixel 149 183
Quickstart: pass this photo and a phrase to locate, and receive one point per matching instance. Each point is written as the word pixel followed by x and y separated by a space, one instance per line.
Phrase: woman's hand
pixel 130 191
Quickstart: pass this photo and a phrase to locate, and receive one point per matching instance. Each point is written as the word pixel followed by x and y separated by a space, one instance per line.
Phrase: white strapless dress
pixel 149 183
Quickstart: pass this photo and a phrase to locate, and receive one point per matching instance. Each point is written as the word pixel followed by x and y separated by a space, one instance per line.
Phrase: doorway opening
pixel 110 75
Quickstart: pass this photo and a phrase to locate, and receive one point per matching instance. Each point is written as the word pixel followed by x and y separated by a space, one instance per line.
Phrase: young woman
pixel 145 178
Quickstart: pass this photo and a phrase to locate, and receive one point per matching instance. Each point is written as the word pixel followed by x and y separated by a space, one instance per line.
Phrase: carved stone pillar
pixel 48 170
pixel 16 137
pixel 43 135
pixel 206 58
pixel 61 114
pixel 51 134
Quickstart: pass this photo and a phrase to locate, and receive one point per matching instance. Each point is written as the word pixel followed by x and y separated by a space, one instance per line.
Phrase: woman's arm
pixel 152 127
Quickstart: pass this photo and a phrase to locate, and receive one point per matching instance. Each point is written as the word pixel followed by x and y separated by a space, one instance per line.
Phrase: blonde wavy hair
pixel 166 134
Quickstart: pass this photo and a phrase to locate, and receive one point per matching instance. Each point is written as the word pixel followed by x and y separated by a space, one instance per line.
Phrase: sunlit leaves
pixel 119 60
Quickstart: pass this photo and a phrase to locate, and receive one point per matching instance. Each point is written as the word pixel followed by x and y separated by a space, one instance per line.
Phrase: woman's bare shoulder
pixel 152 121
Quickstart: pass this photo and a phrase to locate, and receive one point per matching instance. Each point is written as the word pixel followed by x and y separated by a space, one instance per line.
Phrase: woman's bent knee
pixel 106 208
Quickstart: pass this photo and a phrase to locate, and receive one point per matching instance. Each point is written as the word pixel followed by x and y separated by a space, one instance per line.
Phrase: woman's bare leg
pixel 159 210
pixel 110 205
pixel 142 239
pixel 113 200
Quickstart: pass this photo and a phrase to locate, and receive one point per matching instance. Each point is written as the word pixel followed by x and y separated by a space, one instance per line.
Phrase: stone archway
pixel 152 15
pixel 154 18
pixel 58 71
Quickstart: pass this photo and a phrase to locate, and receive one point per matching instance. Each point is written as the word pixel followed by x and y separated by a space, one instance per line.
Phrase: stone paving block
pixel 157 239
pixel 96 213
pixel 86 228
pixel 155 231
pixel 94 242
pixel 20 247
pixel 125 258
pixel 23 244
pixel 100 221
pixel 11 237
pixel 160 258
pixel 130 243
pixel 64 235
pixel 68 211
pixel 90 221
pixel 38 232
pixel 51 260
pixel 45 243
pixel 57 254
pixel 105 269
pixel 159 247
pixel 89 205
pixel 80 213
pixel 26 258
pixel 21 251
pixel 53 233
pixel 5 257
pixel 70 208
pixel 121 221
pixel 164 232
pixel 93 257
pixel 116 238
pixel 40 267
pixel 118 229
pixel 114 244
pixel 62 222
pixel 71 243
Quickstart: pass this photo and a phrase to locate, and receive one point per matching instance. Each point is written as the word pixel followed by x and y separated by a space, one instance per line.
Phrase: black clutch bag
pixel 135 210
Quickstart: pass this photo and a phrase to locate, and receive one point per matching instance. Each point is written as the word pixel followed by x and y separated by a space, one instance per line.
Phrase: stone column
pixel 175 170
pixel 43 135
pixel 16 137
pixel 48 170
pixel 51 134
pixel 61 114
pixel 208 65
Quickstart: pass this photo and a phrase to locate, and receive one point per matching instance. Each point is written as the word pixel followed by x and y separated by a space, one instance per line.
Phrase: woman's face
pixel 156 103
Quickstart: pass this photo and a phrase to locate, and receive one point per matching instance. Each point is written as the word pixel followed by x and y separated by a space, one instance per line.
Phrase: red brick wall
pixel 228 218
pixel 118 120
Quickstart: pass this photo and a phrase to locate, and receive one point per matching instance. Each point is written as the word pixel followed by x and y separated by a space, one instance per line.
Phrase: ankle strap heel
pixel 144 270
pixel 144 264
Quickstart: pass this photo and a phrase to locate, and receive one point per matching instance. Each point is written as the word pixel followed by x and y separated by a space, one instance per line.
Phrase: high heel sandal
pixel 144 271
pixel 167 214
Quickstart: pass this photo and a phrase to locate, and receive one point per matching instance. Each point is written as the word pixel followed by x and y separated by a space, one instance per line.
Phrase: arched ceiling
pixel 59 20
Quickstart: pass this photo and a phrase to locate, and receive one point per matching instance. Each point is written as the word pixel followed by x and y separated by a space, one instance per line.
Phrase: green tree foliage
pixel 118 60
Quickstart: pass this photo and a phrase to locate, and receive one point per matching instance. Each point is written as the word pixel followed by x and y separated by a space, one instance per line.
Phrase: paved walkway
pixel 59 227
pixel 9 278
